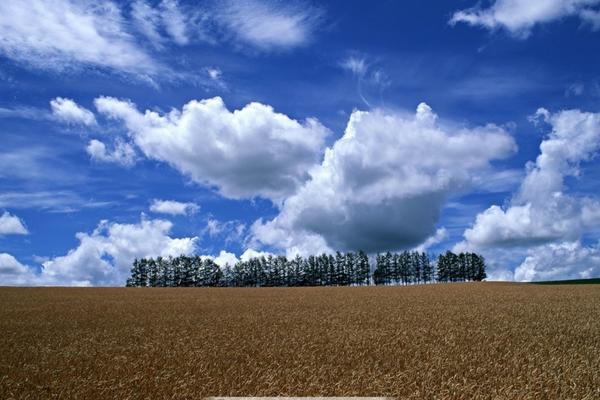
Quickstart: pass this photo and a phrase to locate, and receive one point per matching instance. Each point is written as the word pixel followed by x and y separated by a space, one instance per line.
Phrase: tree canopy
pixel 341 269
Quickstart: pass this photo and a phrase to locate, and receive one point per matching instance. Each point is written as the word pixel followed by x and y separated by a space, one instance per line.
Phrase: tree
pixel 153 273
pixel 134 279
pixel 364 269
pixel 326 269
pixel 379 273
pixel 479 268
pixel 427 268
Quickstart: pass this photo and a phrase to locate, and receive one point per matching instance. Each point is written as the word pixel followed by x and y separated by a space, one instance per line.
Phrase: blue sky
pixel 228 129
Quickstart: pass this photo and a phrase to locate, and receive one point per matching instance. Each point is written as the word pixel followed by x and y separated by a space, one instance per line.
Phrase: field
pixel 456 341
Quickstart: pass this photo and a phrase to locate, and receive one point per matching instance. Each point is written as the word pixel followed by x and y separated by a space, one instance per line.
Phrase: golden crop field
pixel 444 341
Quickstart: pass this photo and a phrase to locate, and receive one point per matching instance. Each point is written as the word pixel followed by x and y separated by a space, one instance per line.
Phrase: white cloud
pixel 542 218
pixel 268 25
pixel 382 185
pixel 174 21
pixel 104 257
pixel 12 225
pixel 520 16
pixel 262 24
pixel 147 20
pixel 245 153
pixel 541 211
pixel 12 272
pixel 173 207
pixel 366 76
pixel 225 257
pixel 59 34
pixel 62 201
pixel 440 235
pixel 565 260
pixel 214 74
pixel 67 34
pixel 123 153
pixel 357 66
pixel 166 21
pixel 66 110
pixel 26 112
pixel 229 231
pixel 575 89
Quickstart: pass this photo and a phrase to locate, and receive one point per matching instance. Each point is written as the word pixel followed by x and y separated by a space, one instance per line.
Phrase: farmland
pixel 473 340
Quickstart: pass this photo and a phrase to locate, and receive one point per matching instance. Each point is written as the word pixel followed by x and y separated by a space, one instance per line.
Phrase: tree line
pixel 341 269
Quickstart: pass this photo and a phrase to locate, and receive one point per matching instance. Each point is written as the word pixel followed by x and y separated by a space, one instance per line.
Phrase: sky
pixel 231 129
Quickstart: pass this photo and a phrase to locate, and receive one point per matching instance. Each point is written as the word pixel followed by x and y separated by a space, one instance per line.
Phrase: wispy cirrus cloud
pixel 268 25
pixel 65 34
pixel 519 17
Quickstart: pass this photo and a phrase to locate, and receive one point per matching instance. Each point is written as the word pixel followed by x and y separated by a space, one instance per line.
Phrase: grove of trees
pixel 340 269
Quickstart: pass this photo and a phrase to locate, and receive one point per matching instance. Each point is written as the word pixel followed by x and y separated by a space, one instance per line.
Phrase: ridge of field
pixel 443 341
pixel 590 281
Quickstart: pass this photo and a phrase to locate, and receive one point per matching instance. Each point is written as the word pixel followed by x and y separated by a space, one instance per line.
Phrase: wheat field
pixel 444 341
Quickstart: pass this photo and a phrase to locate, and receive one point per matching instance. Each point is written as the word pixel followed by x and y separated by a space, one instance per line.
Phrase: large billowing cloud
pixel 226 258
pixel 245 153
pixel 520 16
pixel 11 225
pixel 12 272
pixel 542 213
pixel 103 257
pixel 382 185
pixel 59 34
pixel 565 260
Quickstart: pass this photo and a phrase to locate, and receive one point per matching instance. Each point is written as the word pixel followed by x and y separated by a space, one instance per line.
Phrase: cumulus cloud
pixel 104 257
pixel 173 207
pixel 565 260
pixel 542 217
pixel 245 153
pixel 440 235
pixel 12 272
pixel 123 153
pixel 58 34
pixel 66 110
pixel 268 25
pixel 12 225
pixel 520 16
pixel 541 211
pixel 382 185
pixel 224 258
